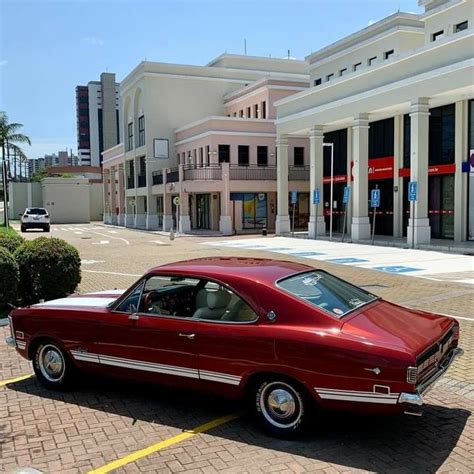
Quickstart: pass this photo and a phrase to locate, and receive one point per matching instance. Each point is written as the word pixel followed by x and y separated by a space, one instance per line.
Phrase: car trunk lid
pixel 410 330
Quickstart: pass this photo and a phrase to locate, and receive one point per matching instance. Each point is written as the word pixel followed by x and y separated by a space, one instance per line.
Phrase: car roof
pixel 263 270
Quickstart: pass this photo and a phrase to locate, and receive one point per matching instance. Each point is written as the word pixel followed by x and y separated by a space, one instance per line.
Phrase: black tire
pixel 282 407
pixel 23 228
pixel 46 229
pixel 52 366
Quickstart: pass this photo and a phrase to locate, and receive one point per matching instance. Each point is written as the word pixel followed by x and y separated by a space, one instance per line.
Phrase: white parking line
pixel 102 242
pixel 110 237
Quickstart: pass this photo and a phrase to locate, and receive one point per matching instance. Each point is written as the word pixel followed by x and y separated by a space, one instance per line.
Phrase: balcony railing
pixel 253 173
pixel 130 182
pixel 298 173
pixel 172 176
pixel 157 177
pixel 141 181
pixel 206 173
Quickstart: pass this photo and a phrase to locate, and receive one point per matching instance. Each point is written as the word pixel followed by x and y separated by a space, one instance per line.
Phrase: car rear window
pixel 327 292
pixel 36 212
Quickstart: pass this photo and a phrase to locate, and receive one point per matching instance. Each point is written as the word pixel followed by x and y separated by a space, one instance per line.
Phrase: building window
pixel 442 136
pixel 264 110
pixel 243 155
pixel 241 113
pixel 357 66
pixel 235 114
pixel 130 136
pixel 339 140
pixel 342 71
pixel 381 142
pixel 372 60
pixel 406 140
pixel 141 130
pixel 255 111
pixel 224 153
pixel 317 82
pixel 249 112
pixel 436 36
pixel 387 54
pixel 262 155
pixel 461 26
pixel 298 156
pixel 329 77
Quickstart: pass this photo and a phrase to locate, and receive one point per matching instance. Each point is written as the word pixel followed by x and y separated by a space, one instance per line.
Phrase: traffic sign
pixel 176 201
pixel 316 196
pixel 412 190
pixel 294 197
pixel 345 197
pixel 375 198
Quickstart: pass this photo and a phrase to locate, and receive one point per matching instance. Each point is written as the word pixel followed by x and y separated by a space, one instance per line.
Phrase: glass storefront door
pixel 203 211
pixel 254 210
pixel 384 220
pixel 301 210
pixel 337 207
pixel 441 206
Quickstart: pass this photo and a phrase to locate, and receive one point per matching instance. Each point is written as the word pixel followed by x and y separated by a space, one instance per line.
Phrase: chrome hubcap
pixel 281 403
pixel 51 363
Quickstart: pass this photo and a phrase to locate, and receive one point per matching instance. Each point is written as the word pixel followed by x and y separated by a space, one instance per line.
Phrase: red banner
pixel 432 170
pixel 381 168
pixel 341 178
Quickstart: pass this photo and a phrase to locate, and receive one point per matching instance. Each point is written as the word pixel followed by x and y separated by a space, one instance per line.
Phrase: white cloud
pixel 93 41
pixel 3 62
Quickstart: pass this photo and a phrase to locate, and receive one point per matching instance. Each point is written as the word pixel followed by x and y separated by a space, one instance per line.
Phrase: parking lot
pixel 105 426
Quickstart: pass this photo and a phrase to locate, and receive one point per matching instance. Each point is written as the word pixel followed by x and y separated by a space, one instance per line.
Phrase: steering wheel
pixel 148 300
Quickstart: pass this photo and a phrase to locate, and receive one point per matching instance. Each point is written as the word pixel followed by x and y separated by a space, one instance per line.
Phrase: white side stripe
pixel 158 368
pixel 357 396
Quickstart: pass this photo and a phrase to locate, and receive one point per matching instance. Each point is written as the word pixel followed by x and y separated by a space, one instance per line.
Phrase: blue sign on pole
pixel 345 197
pixel 412 190
pixel 294 197
pixel 316 196
pixel 375 198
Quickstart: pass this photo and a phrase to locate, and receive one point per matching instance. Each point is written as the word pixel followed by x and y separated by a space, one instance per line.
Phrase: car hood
pixel 98 299
pixel 388 324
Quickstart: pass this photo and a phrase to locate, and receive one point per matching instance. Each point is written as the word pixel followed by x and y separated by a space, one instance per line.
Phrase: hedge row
pixel 32 270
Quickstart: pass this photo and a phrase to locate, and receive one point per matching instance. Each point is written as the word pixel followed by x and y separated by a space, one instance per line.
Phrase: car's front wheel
pixel 282 407
pixel 46 228
pixel 52 366
pixel 23 228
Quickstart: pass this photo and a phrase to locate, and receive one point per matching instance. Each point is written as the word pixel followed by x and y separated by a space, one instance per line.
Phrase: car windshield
pixel 36 211
pixel 327 292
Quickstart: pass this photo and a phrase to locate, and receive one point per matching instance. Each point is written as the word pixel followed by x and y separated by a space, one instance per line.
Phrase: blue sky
pixel 48 47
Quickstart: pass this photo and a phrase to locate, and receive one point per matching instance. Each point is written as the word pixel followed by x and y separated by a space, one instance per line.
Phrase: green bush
pixel 8 278
pixel 49 268
pixel 11 241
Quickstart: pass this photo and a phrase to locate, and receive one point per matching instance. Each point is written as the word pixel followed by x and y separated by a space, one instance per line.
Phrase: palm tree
pixel 10 139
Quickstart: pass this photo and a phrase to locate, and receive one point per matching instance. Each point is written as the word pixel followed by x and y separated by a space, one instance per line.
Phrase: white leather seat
pixel 217 302
pixel 201 298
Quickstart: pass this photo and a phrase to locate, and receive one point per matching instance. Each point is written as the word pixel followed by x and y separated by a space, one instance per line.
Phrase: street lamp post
pixel 331 193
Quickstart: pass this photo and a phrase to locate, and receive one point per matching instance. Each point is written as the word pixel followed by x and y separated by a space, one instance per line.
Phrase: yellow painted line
pixel 17 379
pixel 164 444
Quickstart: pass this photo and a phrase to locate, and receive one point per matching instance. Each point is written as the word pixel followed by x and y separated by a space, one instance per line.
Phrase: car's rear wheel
pixel 282 407
pixel 46 229
pixel 23 228
pixel 52 366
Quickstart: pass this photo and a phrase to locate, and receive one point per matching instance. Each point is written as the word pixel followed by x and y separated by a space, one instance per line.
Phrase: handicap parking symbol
pixel 397 269
pixel 347 260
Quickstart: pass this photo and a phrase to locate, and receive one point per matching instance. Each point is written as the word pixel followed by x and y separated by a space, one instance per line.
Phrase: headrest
pixel 218 299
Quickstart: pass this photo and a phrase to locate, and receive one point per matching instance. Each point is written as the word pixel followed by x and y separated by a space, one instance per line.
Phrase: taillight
pixel 412 374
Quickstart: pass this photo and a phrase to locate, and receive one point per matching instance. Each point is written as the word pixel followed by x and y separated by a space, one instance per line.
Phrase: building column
pixel 225 221
pixel 140 215
pixel 113 197
pixel 121 195
pixel 167 208
pixel 130 212
pixel 460 178
pixel 282 224
pixel 360 229
pixel 419 231
pixel 184 219
pixel 349 180
pixel 397 180
pixel 316 225
pixel 106 199
pixel 151 206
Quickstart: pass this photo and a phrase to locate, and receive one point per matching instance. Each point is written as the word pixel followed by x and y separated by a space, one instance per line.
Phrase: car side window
pixel 130 303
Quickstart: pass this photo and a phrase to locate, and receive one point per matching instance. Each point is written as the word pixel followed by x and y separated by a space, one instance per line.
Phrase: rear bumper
pixel 414 401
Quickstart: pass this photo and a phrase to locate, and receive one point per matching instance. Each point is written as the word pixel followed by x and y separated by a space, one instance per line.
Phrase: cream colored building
pixel 394 98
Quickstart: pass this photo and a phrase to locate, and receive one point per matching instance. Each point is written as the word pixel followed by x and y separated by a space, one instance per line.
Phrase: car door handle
pixel 189 336
pixel 134 317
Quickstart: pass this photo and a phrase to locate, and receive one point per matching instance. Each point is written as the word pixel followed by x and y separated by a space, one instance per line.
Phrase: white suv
pixel 35 218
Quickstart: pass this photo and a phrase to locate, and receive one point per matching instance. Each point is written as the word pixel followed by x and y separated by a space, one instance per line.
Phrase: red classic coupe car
pixel 286 335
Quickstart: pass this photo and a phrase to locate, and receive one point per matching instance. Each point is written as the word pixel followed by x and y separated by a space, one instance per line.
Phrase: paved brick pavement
pixel 102 421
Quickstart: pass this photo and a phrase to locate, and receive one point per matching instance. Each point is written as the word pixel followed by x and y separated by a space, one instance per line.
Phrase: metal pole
pixel 293 221
pixel 373 225
pixel 412 224
pixel 316 231
pixel 332 190
pixel 344 223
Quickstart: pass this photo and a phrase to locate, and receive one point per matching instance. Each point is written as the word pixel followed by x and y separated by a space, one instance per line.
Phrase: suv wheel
pixel 23 228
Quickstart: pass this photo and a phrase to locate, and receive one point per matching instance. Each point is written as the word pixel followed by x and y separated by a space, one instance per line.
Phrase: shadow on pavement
pixel 402 444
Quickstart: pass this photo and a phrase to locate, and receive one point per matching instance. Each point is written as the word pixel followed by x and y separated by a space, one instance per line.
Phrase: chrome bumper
pixel 415 400
pixel 10 340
